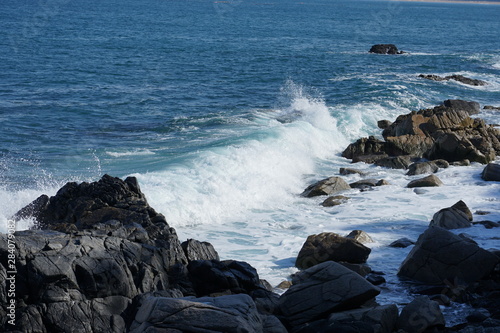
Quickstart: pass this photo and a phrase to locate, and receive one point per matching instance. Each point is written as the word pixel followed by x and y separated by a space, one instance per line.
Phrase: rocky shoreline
pixel 102 260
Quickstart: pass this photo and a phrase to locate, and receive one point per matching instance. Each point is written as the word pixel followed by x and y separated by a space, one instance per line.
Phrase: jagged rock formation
pixel 444 132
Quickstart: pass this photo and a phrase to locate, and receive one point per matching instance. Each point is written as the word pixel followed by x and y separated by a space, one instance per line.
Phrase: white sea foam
pixel 135 152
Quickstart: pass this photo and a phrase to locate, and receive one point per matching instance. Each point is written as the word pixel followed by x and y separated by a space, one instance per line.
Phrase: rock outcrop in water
pixel 456 77
pixel 385 49
pixel 445 132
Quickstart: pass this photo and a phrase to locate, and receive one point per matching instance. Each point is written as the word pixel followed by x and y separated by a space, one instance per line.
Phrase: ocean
pixel 226 111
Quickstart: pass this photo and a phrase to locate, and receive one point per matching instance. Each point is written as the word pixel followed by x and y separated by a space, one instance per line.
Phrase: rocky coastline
pixel 101 259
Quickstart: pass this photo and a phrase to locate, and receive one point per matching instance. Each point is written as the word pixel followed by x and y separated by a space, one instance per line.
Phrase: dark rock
pixel 361 269
pixel 461 163
pixel 385 49
pixel 326 187
pixel 488 224
pixel 360 236
pixel 212 277
pixel 196 250
pixel 369 146
pixel 410 144
pixel 429 181
pixel 382 182
pixel 398 162
pixel 330 246
pixel 350 171
pixel 466 80
pixel 456 77
pixel 361 184
pixel 402 242
pixel 372 158
pixel 440 256
pixel 453 147
pixel 461 206
pixel 491 107
pixel 379 319
pixel 457 104
pixel 335 201
pixel 233 313
pixel 441 299
pixel 383 124
pixel 478 316
pixel 444 132
pixel 420 315
pixel 375 279
pixel 432 77
pixel 491 172
pixel 103 250
pixel 323 289
pixel 451 218
pixel 271 324
pixel 420 168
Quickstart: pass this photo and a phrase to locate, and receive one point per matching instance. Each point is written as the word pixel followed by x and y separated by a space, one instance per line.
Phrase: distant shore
pixel 456 1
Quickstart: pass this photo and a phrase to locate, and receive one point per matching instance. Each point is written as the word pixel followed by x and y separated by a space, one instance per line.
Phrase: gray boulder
pixel 330 246
pixel 450 218
pixel 491 172
pixel 420 168
pixel 441 257
pixel 458 104
pixel 326 186
pixel 420 315
pixel 196 250
pixel 429 181
pixel 323 289
pixel 360 236
pixel 397 162
pixel 335 201
pixel 351 171
pixel 382 319
pixel 402 242
pixel 233 313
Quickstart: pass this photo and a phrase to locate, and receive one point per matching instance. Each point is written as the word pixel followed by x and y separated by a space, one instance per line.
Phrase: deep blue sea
pixel 226 110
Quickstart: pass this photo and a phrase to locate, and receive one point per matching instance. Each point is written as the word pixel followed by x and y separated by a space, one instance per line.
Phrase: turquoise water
pixel 227 110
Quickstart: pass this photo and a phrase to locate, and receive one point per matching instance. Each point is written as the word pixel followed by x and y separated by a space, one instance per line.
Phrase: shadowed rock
pixel 233 313
pixel 322 289
pixel 420 315
pixel 491 172
pixel 440 256
pixel 196 250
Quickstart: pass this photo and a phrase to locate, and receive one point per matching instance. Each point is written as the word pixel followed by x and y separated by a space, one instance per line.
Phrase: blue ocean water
pixel 226 110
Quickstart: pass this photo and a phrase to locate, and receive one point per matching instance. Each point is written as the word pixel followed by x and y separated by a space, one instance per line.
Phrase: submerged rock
pixel 326 187
pixel 335 200
pixel 456 77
